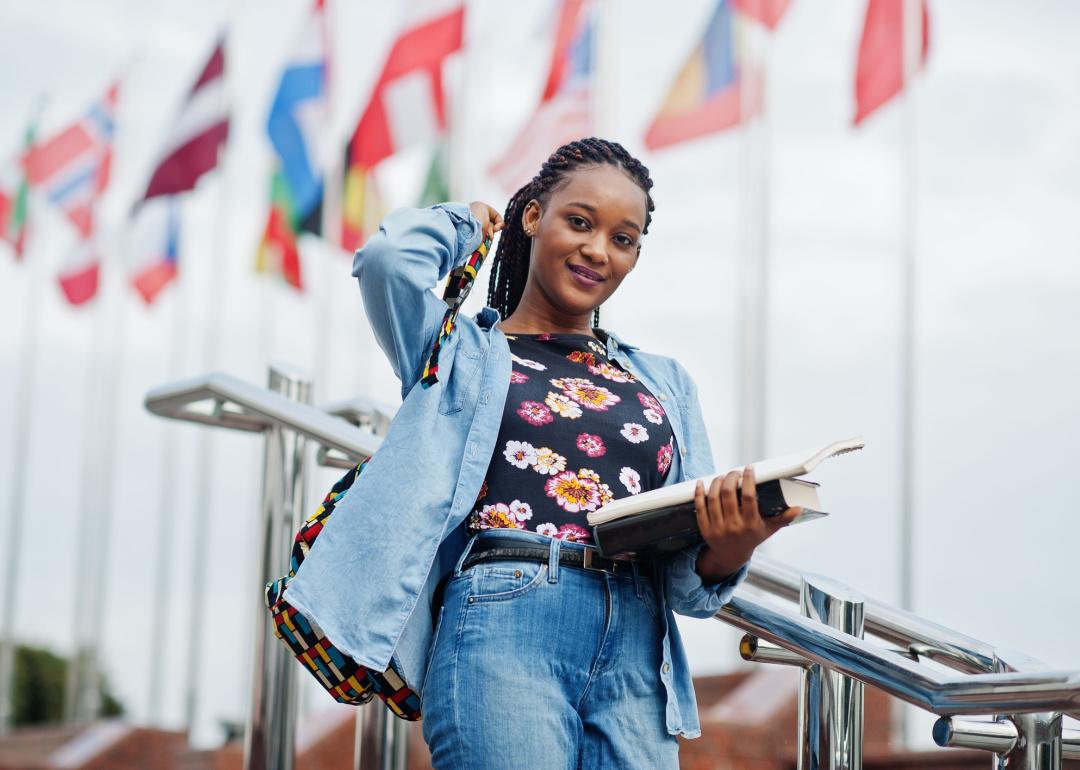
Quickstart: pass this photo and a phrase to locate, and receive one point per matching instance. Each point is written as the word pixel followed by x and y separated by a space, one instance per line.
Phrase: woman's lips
pixel 586 276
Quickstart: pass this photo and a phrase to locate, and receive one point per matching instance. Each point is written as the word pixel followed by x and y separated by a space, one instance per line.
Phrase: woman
pixel 538 653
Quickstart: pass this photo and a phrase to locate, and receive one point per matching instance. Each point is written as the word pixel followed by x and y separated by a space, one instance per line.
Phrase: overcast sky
pixel 997 417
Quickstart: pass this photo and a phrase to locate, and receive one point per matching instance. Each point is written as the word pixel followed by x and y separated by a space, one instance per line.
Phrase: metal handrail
pixel 932 641
pixel 225 401
pixel 897 675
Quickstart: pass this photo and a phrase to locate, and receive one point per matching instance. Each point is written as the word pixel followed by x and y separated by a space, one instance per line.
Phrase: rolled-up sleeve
pixel 397 268
pixel 685 592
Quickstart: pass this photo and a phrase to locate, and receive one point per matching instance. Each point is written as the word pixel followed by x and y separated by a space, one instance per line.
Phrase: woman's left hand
pixel 732 531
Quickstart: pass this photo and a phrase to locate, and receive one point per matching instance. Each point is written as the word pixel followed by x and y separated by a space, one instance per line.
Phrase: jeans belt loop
pixel 464 555
pixel 637 579
pixel 553 560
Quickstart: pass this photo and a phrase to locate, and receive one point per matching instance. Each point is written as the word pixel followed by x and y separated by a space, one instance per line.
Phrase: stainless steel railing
pixel 824 637
pixel 287 422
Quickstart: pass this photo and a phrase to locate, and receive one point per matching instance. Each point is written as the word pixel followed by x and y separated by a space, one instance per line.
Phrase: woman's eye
pixel 578 221
pixel 624 240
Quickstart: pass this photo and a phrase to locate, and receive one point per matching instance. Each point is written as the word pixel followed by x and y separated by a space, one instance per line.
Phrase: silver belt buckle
pixel 587 561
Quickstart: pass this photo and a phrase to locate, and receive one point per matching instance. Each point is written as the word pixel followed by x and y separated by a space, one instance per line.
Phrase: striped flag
pixel 708 93
pixel 296 123
pixel 14 191
pixel 154 246
pixel 361 206
pixel 565 111
pixel 197 134
pixel 879 75
pixel 72 169
pixel 407 105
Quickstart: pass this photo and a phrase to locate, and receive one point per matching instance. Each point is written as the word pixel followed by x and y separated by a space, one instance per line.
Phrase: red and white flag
pixel 407 105
pixel 565 111
pixel 72 169
pixel 879 75
pixel 197 134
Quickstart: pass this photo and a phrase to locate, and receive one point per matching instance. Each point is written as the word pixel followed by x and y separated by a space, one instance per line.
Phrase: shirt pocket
pixel 463 379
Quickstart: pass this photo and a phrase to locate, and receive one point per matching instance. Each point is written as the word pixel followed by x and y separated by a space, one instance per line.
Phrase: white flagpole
pixel 457 185
pixel 96 514
pixel 911 51
pixel 604 118
pixel 24 405
pixel 161 609
pixel 754 268
pixel 331 206
pixel 204 464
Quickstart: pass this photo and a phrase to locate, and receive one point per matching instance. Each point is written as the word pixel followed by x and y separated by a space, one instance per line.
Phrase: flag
pixel 197 134
pixel 278 252
pixel 407 105
pixel 13 199
pixel 565 110
pixel 879 75
pixel 707 95
pixel 297 119
pixel 361 207
pixel 768 12
pixel 154 246
pixel 436 188
pixel 72 169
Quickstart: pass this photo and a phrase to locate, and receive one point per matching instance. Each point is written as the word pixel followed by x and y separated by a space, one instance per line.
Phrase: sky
pixel 997 114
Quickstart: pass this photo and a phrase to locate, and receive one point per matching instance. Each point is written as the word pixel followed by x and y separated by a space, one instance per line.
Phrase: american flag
pixel 565 112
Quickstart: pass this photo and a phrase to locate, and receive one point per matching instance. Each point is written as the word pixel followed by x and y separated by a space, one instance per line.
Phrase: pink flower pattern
pixel 603 403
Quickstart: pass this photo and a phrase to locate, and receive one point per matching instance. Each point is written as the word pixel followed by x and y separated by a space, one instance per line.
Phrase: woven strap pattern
pixel 458 286
pixel 345 679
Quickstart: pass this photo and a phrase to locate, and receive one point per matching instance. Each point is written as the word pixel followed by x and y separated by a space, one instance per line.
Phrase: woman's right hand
pixel 490 220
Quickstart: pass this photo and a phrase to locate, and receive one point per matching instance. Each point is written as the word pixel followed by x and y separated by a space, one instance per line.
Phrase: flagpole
pixel 204 465
pixel 911 50
pixel 754 268
pixel 161 609
pixel 457 167
pixel 330 214
pixel 24 405
pixel 603 109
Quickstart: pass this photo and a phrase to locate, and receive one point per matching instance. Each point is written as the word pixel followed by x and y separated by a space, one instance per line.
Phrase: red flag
pixel 407 105
pixel 768 12
pixel 197 134
pixel 565 110
pixel 880 72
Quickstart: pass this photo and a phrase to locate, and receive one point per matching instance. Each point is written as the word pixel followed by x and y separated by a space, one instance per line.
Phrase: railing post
pixel 381 742
pixel 830 704
pixel 1039 743
pixel 269 739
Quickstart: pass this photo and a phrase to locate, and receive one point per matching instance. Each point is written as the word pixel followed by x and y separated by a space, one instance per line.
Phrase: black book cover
pixel 670 529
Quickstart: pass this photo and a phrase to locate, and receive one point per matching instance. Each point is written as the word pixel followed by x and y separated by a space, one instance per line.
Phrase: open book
pixel 664 520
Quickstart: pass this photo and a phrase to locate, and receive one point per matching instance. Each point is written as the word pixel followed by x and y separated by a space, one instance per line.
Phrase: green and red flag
pixel 14 191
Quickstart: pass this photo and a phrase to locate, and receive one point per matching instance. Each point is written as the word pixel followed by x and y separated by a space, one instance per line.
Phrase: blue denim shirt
pixel 369 578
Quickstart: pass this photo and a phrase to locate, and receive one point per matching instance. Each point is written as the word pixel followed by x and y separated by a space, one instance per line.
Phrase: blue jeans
pixel 541 666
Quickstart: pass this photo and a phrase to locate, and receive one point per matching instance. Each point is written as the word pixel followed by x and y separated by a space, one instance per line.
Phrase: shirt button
pixel 682 451
pixel 666 668
pixel 663 397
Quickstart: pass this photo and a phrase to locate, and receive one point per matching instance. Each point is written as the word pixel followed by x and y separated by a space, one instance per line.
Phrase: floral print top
pixel 578 431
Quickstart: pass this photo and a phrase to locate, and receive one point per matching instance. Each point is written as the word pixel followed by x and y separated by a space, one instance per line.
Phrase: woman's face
pixel 586 238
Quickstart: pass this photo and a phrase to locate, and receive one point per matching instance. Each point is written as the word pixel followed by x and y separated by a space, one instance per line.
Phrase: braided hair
pixel 510 268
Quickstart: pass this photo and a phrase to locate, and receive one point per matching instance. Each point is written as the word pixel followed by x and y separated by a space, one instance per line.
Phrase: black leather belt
pixel 488 548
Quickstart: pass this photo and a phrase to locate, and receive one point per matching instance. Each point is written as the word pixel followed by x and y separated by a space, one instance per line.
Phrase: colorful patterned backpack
pixel 345 679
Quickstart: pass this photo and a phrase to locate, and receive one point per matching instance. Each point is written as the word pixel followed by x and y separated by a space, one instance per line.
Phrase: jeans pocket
pixel 503 580
pixel 648 598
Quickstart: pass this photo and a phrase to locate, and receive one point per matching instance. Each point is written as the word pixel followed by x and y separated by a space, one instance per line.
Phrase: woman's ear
pixel 530 217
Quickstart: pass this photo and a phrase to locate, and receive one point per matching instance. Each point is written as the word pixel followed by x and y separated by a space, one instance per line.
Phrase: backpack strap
pixel 458 286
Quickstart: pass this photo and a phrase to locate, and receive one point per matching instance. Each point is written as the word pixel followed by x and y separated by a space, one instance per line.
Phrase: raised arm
pixel 397 268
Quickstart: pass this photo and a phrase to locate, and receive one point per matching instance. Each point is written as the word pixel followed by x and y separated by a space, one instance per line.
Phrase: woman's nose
pixel 594 247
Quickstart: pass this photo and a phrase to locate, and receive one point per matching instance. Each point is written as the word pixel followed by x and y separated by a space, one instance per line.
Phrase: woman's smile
pixel 585 276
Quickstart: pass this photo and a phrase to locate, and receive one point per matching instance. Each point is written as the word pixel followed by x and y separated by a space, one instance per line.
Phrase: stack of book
pixel 664 520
